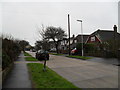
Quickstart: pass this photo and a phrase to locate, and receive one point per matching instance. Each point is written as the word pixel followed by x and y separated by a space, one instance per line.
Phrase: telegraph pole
pixel 69 32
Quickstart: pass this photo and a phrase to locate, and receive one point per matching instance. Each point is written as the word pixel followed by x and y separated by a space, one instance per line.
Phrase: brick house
pixel 103 36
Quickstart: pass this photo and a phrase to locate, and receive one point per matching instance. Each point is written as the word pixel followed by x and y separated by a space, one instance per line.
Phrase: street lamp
pixel 81 36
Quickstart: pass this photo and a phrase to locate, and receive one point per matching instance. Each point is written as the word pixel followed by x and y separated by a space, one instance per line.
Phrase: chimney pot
pixel 115 28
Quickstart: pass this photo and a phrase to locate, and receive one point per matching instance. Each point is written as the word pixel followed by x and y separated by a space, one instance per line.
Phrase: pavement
pixel 19 77
pixel 84 73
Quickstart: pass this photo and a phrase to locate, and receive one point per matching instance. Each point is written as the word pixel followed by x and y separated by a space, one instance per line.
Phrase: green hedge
pixel 10 52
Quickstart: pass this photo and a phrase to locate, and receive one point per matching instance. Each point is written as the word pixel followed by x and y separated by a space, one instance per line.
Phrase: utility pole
pixel 69 32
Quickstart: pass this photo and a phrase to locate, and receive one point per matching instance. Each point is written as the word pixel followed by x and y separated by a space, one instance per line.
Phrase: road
pixel 83 73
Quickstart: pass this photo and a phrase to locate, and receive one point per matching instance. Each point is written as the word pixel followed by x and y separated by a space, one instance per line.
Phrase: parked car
pixel 53 50
pixel 32 50
pixel 74 51
pixel 42 55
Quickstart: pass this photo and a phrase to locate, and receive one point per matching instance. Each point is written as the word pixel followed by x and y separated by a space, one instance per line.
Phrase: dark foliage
pixel 10 51
pixel 23 44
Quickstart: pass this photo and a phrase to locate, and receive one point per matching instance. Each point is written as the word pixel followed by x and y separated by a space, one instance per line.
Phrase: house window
pixel 92 38
pixel 75 41
pixel 71 41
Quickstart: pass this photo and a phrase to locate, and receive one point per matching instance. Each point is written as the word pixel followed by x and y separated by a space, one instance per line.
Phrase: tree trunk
pixel 56 45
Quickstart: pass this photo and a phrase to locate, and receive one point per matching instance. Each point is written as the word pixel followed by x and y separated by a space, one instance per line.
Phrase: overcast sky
pixel 21 19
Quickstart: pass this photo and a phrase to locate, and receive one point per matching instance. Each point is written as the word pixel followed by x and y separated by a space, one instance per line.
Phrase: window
pixel 75 41
pixel 92 38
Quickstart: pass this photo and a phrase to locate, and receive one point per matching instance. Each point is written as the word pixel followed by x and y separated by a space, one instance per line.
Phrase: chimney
pixel 115 28
pixel 98 29
pixel 115 32
pixel 73 36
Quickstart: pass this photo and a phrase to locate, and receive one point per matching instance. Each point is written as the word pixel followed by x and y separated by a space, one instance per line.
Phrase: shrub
pixel 10 51
pixel 89 47
pixel 79 48
pixel 6 61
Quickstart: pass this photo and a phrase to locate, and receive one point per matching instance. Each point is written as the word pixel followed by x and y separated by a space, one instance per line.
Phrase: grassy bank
pixel 79 57
pixel 56 54
pixel 26 54
pixel 48 79
pixel 30 59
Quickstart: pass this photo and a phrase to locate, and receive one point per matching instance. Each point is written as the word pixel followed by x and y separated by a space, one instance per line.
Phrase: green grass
pixel 26 54
pixel 48 79
pixel 30 59
pixel 79 57
pixel 56 54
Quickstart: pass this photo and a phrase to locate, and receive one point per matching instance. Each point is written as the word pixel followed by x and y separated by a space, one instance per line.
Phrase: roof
pixel 105 35
pixel 78 37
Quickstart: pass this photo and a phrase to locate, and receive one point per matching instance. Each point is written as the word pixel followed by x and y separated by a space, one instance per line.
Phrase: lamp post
pixel 81 36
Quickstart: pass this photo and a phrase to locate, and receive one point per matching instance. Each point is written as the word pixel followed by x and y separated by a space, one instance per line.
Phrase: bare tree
pixel 49 33
pixel 42 43
pixel 55 34
pixel 41 32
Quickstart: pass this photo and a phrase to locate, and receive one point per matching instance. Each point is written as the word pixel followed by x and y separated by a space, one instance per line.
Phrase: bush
pixel 109 54
pixel 10 51
pixel 6 61
pixel 89 47
pixel 79 48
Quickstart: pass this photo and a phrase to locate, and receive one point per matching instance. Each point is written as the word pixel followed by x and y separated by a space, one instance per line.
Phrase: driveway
pixel 84 73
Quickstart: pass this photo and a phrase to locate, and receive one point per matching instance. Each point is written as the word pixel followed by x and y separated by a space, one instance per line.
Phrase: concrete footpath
pixel 84 73
pixel 19 77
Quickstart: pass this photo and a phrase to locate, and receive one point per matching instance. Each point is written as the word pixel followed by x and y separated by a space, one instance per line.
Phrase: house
pixel 101 36
pixel 72 42
pixel 52 46
pixel 79 40
pixel 106 37
pixel 64 44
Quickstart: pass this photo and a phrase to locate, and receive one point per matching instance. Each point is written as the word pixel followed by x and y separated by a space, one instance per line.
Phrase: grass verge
pixel 56 54
pixel 48 79
pixel 26 54
pixel 79 57
pixel 30 59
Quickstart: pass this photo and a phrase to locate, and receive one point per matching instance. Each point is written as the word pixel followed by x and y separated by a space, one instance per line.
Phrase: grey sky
pixel 119 16
pixel 20 19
